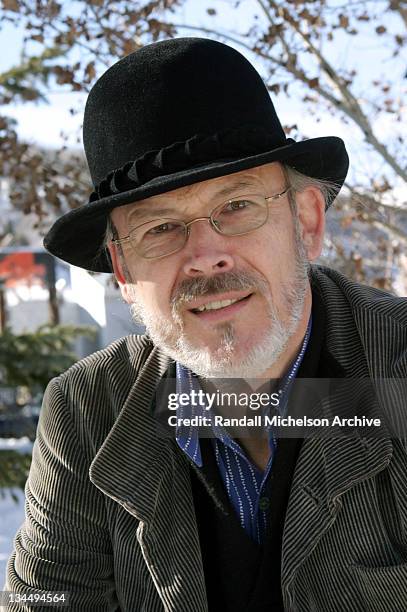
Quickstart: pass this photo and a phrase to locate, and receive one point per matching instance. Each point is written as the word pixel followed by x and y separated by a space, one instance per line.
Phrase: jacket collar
pixel 151 482
pixel 145 454
pixel 328 467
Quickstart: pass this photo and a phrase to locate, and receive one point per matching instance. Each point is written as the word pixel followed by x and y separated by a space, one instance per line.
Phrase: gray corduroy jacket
pixel 109 511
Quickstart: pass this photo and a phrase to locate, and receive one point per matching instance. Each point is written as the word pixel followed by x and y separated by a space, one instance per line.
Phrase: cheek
pixel 275 253
pixel 154 296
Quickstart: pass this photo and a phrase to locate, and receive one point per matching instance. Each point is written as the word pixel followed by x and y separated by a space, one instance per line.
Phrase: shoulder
pixel 94 389
pixel 360 298
pixel 124 356
pixel 118 362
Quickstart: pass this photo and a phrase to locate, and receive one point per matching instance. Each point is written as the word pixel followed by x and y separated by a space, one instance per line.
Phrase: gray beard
pixel 222 362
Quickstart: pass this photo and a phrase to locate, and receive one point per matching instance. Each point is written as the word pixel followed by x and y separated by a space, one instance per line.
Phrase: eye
pixel 236 205
pixel 163 228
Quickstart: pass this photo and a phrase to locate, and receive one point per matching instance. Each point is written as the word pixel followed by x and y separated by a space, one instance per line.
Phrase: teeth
pixel 216 305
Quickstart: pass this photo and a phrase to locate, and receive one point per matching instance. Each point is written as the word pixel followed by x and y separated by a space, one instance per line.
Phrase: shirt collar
pixel 187 437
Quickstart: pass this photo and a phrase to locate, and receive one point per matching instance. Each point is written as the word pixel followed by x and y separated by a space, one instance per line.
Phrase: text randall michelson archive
pixel 273 421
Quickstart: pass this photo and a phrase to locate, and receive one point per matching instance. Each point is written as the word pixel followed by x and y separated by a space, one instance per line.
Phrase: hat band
pixel 200 149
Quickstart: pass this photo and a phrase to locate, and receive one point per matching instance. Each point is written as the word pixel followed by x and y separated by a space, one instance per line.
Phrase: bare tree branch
pixel 348 105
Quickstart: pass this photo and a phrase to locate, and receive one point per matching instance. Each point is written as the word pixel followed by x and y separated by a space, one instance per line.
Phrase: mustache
pixel 190 289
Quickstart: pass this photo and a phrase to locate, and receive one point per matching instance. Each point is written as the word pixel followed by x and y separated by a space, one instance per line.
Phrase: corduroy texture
pixel 124 535
pixel 172 114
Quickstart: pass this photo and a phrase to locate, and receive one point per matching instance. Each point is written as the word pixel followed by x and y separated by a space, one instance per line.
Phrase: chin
pixel 228 359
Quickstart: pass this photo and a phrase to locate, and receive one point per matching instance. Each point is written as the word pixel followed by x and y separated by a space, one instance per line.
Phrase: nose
pixel 206 251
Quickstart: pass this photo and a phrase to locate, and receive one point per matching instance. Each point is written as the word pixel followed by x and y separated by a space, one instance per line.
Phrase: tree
pixel 27 363
pixel 32 359
pixel 295 41
pixel 298 46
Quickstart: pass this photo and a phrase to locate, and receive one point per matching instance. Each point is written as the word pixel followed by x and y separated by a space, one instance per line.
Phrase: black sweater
pixel 241 575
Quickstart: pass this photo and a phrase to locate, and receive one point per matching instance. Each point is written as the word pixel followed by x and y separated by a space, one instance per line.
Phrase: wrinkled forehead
pixel 262 180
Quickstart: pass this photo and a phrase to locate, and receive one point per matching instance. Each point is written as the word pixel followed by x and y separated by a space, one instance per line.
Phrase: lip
pixel 222 313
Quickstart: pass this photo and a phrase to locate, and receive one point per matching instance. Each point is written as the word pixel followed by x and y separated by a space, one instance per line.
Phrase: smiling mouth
pixel 217 305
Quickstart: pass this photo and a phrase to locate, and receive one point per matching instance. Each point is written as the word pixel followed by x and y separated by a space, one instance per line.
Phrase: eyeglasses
pixel 162 237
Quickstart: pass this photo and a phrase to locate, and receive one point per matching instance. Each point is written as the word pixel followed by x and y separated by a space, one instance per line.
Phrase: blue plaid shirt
pixel 244 482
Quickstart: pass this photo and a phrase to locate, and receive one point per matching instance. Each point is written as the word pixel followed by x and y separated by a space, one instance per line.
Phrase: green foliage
pixel 21 81
pixel 32 359
pixel 14 468
pixel 28 361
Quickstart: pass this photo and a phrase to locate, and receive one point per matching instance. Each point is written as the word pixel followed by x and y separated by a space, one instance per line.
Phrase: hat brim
pixel 77 237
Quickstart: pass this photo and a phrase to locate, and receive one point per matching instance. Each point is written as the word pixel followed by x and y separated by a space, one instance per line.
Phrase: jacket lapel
pixel 139 468
pixel 327 467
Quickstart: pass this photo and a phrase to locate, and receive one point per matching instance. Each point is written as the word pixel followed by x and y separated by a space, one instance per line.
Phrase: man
pixel 210 219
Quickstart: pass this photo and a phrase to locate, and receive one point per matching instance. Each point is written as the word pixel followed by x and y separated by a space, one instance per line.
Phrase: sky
pixel 43 124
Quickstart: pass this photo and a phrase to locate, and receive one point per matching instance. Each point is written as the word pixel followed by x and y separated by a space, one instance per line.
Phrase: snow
pixel 12 516
pixel 23 445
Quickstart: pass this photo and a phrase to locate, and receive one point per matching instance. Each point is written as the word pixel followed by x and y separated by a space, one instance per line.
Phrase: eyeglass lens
pixel 164 236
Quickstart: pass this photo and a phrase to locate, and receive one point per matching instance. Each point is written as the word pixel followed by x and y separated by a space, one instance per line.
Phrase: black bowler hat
pixel 171 114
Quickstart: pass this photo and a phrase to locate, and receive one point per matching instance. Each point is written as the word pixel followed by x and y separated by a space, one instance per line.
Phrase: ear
pixel 311 212
pixel 119 273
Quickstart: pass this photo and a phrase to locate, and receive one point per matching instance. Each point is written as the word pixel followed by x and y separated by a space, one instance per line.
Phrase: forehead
pixel 261 179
